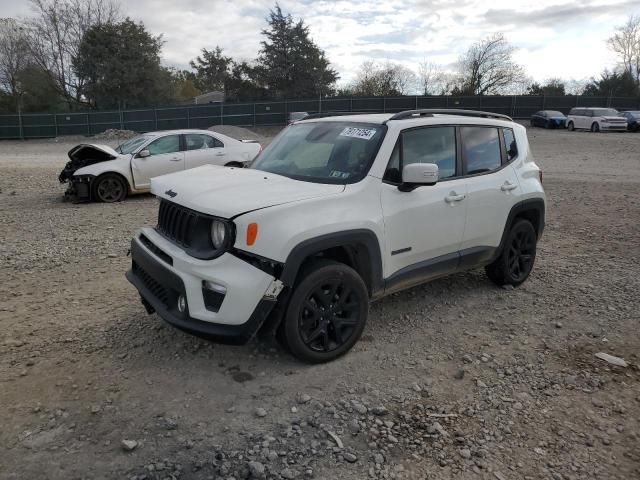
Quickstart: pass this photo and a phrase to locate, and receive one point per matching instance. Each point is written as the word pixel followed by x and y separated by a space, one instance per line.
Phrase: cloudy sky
pixel 555 38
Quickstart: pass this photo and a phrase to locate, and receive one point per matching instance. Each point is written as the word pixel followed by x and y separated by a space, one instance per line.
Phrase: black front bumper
pixel 160 289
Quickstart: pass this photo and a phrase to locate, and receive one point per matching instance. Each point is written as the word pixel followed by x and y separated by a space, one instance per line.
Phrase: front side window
pixel 481 149
pixel 133 144
pixel 510 145
pixel 323 152
pixel 168 144
pixel 431 145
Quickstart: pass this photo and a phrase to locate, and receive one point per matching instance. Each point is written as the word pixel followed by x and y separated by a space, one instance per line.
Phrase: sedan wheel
pixel 110 188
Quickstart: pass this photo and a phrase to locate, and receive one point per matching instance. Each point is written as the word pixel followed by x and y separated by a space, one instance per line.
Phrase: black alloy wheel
pixel 326 314
pixel 110 188
pixel 518 255
pixel 522 251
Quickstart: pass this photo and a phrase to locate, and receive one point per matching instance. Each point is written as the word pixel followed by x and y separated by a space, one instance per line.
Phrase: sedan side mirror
pixel 144 153
pixel 417 175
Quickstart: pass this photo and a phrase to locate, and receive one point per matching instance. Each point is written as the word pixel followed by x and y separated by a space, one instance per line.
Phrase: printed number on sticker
pixel 362 133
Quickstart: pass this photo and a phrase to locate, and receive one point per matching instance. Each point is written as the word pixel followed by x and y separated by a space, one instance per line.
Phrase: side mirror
pixel 417 175
pixel 144 154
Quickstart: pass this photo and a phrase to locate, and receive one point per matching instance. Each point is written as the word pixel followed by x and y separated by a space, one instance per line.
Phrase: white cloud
pixel 555 38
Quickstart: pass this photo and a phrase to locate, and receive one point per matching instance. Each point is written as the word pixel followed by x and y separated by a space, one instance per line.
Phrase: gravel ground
pixel 453 379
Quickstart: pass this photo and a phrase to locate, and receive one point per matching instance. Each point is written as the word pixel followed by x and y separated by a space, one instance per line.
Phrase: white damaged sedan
pixel 99 172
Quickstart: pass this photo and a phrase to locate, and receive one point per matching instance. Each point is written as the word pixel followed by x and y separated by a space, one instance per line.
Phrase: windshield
pixel 554 113
pixel 323 152
pixel 605 112
pixel 634 114
pixel 132 144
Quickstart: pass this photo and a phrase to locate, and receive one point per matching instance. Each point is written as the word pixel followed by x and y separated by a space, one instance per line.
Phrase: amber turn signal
pixel 252 233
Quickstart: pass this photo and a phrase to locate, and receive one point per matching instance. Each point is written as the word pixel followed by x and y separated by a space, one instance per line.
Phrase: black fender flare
pixel 531 204
pixel 368 256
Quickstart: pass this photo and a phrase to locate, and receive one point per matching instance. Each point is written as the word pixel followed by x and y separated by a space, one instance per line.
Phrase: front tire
pixel 110 188
pixel 595 127
pixel 327 313
pixel 571 127
pixel 515 263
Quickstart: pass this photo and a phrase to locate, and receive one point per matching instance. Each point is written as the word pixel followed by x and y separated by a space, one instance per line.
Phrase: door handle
pixel 507 187
pixel 176 159
pixel 454 197
pixel 220 154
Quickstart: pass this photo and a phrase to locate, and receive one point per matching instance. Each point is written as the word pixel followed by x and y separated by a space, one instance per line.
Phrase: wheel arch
pixel 533 210
pixel 359 249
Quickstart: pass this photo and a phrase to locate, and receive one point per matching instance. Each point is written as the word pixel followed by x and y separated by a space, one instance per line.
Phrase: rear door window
pixel 481 149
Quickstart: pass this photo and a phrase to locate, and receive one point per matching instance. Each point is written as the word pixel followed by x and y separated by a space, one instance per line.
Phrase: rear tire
pixel 570 127
pixel 327 313
pixel 110 188
pixel 518 255
pixel 595 127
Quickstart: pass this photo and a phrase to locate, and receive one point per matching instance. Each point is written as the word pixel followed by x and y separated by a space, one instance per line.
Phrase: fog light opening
pixel 182 304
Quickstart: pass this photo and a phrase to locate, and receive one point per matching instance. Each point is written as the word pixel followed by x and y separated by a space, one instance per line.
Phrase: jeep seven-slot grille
pixel 176 222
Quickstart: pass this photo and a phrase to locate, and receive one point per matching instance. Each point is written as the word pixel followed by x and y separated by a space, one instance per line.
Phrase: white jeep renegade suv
pixel 338 211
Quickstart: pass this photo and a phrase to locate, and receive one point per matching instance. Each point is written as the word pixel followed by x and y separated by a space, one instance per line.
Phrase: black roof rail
pixel 312 116
pixel 428 112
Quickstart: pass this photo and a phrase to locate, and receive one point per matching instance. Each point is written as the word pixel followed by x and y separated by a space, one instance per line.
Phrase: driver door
pixel 424 226
pixel 165 157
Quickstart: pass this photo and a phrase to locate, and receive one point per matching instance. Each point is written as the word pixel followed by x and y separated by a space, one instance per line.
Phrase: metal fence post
pixel 20 124
pixel 513 106
pixel 121 115
pixel 55 124
pixel 286 112
pixel 351 104
pixel 155 117
pixel 221 113
pixel 416 102
pixel 188 117
pixel 384 104
pixel 320 103
pixel 254 115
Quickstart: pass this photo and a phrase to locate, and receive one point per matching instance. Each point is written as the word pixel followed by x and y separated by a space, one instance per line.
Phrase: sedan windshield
pixel 323 152
pixel 132 144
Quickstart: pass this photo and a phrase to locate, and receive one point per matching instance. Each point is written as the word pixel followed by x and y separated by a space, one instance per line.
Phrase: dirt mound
pixel 114 133
pixel 239 133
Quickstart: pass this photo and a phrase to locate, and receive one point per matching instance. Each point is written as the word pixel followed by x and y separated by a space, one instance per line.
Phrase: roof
pixel 383 118
pixel 209 97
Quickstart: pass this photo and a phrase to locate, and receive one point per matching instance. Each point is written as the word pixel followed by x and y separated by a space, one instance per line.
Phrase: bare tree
pixel 626 44
pixel 383 79
pixel 14 57
pixel 55 33
pixel 432 79
pixel 488 66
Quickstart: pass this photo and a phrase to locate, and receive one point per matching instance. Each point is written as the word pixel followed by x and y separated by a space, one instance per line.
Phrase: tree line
pixel 84 54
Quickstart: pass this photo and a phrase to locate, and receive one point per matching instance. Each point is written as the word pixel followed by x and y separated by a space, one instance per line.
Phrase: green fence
pixel 42 125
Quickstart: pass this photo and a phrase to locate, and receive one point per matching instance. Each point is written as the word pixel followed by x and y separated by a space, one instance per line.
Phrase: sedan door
pixel 165 156
pixel 202 149
pixel 423 227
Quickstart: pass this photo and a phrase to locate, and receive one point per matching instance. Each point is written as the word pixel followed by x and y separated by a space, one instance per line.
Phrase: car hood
pixel 229 192
pixel 84 155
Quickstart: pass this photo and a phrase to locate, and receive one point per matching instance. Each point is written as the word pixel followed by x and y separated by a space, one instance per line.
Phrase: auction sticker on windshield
pixel 362 133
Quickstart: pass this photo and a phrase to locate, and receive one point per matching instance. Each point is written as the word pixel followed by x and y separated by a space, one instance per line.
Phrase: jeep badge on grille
pixel 171 193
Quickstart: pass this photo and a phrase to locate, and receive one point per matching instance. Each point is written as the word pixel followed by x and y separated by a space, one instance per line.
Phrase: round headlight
pixel 218 233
